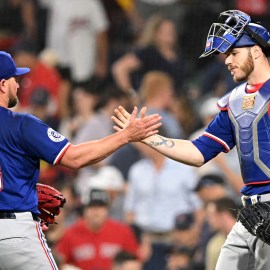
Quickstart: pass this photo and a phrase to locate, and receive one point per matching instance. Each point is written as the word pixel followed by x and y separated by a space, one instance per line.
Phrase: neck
pixel 260 74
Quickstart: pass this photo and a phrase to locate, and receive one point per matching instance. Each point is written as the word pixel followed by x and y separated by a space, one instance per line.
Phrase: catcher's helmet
pixel 235 30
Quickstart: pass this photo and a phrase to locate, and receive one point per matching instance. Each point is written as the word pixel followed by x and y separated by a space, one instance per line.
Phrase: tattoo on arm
pixel 166 142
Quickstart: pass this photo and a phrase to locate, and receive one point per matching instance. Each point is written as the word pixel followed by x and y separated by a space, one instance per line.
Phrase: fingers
pixel 151 119
pixel 116 128
pixel 154 128
pixel 124 112
pixel 118 122
pixel 134 113
pixel 143 112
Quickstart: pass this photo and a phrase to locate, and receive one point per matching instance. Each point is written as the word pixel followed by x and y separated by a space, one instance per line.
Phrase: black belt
pixel 11 215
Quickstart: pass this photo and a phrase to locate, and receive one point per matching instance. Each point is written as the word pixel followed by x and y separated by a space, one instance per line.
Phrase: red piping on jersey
pixel 217 140
pixel 62 154
pixel 257 183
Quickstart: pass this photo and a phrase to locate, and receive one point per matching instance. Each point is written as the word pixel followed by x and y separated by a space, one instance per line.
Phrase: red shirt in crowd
pixel 40 76
pixel 95 250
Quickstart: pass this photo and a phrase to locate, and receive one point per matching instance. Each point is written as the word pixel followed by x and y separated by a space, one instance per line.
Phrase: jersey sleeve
pixel 41 141
pixel 217 137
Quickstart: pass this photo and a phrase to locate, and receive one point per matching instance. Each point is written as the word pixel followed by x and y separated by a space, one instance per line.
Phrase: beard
pixel 246 68
pixel 12 102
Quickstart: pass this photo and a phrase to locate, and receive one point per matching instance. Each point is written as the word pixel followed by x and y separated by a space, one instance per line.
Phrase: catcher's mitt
pixel 50 200
pixel 256 219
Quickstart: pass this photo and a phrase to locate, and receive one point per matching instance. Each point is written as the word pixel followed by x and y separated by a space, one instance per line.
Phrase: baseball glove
pixel 256 219
pixel 50 200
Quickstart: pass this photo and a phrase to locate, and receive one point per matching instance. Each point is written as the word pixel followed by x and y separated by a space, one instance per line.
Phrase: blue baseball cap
pixel 8 67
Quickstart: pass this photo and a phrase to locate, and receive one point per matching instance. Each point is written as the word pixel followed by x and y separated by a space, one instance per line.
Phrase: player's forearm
pixel 78 156
pixel 180 150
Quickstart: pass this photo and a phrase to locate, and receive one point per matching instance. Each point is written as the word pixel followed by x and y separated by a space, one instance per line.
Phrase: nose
pixel 228 60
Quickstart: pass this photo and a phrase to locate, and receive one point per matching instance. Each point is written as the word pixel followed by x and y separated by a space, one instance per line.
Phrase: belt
pixel 249 200
pixel 12 215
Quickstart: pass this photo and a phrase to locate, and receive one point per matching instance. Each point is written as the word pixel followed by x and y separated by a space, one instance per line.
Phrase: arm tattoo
pixel 166 142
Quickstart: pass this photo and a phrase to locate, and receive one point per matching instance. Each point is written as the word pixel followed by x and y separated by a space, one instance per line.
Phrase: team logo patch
pixel 248 102
pixel 55 136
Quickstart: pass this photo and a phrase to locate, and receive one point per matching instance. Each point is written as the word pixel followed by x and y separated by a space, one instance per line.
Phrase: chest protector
pixel 249 115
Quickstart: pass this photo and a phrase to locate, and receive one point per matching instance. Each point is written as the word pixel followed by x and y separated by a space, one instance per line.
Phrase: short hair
pixel 226 205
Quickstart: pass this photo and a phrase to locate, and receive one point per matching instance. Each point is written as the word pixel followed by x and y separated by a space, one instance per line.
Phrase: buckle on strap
pixel 249 200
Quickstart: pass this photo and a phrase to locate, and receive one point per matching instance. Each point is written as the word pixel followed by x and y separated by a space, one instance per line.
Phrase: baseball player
pixel 24 140
pixel 244 122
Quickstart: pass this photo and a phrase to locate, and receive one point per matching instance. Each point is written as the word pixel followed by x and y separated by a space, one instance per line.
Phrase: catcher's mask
pixel 235 29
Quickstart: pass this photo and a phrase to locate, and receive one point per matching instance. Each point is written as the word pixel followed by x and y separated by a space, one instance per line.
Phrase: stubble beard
pixel 246 69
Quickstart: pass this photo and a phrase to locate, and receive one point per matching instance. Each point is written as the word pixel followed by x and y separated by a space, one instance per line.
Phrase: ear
pixel 257 52
pixel 2 85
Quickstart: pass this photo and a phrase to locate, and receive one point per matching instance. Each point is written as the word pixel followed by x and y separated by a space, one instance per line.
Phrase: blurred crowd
pixel 137 209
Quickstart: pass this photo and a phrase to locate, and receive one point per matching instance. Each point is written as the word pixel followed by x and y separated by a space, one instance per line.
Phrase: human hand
pixel 137 128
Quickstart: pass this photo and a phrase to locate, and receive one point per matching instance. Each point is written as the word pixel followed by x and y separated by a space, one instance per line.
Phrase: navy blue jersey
pixel 24 141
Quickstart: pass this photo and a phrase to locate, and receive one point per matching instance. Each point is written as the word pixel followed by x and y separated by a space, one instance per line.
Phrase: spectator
pixel 77 33
pixel 41 75
pixel 18 23
pixel 84 99
pixel 211 187
pixel 96 127
pixel 185 236
pixel 169 9
pixel 123 27
pixel 221 215
pixel 124 158
pixel 157 94
pixel 68 215
pixel 157 51
pixel 126 261
pixel 178 258
pixel 94 240
pixel 152 203
pixel 148 184
pixel 39 106
pixel 110 179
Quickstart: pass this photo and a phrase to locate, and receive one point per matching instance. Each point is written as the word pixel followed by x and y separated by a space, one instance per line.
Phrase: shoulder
pixel 223 102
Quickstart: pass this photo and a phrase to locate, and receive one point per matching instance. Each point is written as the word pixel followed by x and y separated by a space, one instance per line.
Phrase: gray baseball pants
pixel 23 245
pixel 243 251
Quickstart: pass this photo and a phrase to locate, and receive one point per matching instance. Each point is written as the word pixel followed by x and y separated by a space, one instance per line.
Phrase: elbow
pixel 198 164
pixel 71 164
pixel 116 69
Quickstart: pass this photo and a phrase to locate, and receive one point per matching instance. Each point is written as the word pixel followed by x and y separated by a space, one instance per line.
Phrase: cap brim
pixel 21 71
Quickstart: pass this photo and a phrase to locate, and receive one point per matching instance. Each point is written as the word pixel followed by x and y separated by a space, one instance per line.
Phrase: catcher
pixel 50 202
pixel 244 122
